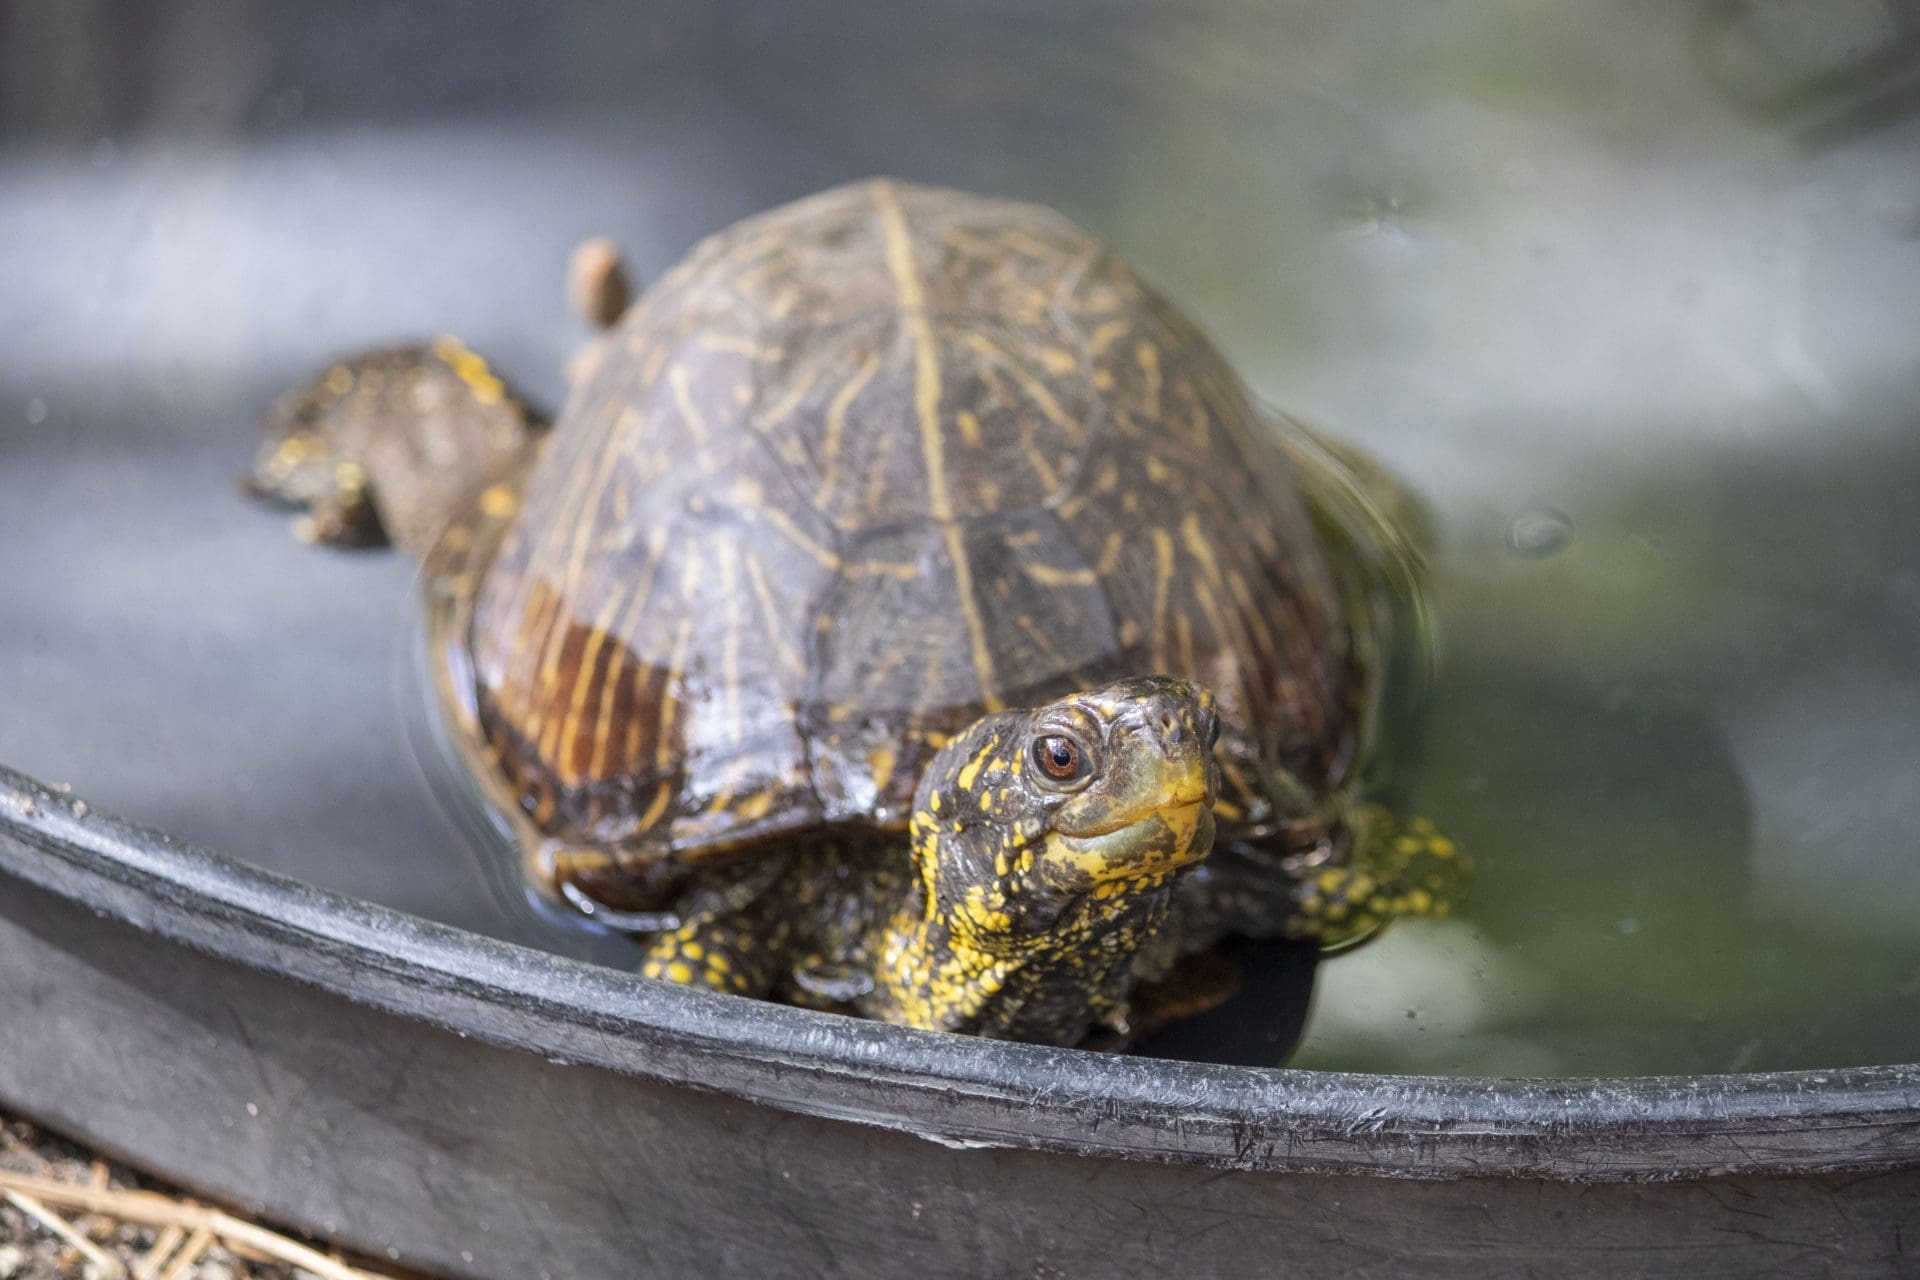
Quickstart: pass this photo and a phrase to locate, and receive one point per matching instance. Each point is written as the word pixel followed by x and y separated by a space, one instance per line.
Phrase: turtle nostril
pixel 1169 726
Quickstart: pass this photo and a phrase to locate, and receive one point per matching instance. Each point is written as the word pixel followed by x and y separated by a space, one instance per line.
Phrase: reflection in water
pixel 1613 834
pixel 1829 72
pixel 481 846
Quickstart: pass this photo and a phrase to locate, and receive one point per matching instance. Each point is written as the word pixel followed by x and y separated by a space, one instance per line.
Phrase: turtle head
pixel 1047 843
pixel 1122 782
pixel 1096 794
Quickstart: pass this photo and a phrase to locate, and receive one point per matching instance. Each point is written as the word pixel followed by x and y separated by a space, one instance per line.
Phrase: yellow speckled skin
pixel 1026 903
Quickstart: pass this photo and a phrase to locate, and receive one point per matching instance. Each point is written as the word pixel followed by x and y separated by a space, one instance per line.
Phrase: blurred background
pixel 1630 293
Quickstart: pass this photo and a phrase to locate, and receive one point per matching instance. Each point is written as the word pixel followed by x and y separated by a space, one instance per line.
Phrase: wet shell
pixel 856 471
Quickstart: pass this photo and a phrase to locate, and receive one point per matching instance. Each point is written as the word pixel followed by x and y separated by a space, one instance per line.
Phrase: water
pixel 1683 749
pixel 1627 293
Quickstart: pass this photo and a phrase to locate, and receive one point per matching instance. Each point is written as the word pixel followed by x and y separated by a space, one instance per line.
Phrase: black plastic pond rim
pixel 957 1090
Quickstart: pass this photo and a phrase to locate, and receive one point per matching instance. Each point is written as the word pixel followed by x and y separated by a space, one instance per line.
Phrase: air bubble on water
pixel 1539 532
pixel 1382 215
pixel 36 411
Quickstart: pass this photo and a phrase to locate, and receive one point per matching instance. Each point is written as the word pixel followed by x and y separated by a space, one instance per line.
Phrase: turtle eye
pixel 1213 729
pixel 1059 758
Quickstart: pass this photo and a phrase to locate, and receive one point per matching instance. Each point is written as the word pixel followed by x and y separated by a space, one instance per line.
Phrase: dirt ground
pixel 67 1214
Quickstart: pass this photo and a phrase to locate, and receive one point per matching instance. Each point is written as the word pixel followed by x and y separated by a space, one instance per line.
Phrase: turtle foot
pixel 1396 869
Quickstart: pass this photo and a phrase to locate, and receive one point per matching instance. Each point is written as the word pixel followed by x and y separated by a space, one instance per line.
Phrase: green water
pixel 1684 751
pixel 1631 296
pixel 1629 292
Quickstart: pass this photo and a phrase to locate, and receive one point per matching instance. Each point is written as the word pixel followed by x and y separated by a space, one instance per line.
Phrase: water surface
pixel 1627 292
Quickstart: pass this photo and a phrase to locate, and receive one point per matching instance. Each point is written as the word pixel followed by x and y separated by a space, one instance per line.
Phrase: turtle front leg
pixel 792 940
pixel 1394 869
pixel 738 953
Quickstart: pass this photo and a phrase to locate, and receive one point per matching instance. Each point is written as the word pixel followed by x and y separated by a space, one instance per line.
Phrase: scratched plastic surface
pixel 1627 295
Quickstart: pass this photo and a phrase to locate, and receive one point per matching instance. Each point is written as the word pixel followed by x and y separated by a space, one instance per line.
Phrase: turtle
pixel 909 612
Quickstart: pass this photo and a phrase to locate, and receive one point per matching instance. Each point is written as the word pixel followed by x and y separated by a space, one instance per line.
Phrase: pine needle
pixel 197 1245
pixel 149 1208
pixel 163 1246
pixel 53 1222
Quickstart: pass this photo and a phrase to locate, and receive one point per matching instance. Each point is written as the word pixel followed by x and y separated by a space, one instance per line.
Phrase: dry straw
pixel 186 1229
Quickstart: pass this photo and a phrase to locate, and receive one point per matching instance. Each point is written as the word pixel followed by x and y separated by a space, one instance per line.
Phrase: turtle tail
pixel 1394 869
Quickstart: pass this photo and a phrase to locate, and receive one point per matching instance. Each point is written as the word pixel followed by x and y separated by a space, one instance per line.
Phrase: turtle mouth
pixel 1166 839
pixel 1186 789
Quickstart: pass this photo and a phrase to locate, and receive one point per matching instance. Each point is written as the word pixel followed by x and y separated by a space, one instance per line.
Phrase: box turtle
pixel 909 611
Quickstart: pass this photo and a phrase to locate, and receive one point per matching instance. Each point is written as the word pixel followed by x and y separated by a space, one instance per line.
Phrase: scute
pixel 858 470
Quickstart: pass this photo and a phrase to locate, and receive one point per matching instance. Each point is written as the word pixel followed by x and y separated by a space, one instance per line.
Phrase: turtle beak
pixel 1150 809
pixel 1179 774
pixel 1192 781
pixel 1161 818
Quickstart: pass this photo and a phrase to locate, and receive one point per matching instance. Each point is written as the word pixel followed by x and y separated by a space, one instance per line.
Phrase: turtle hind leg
pixel 1395 869
pixel 391 445
pixel 300 471
pixel 738 939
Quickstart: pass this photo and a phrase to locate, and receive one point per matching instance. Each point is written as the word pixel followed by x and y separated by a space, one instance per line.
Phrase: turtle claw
pixel 299 472
pixel 1396 869
pixel 343 517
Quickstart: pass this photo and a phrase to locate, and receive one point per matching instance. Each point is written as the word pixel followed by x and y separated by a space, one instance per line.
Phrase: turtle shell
pixel 857 471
